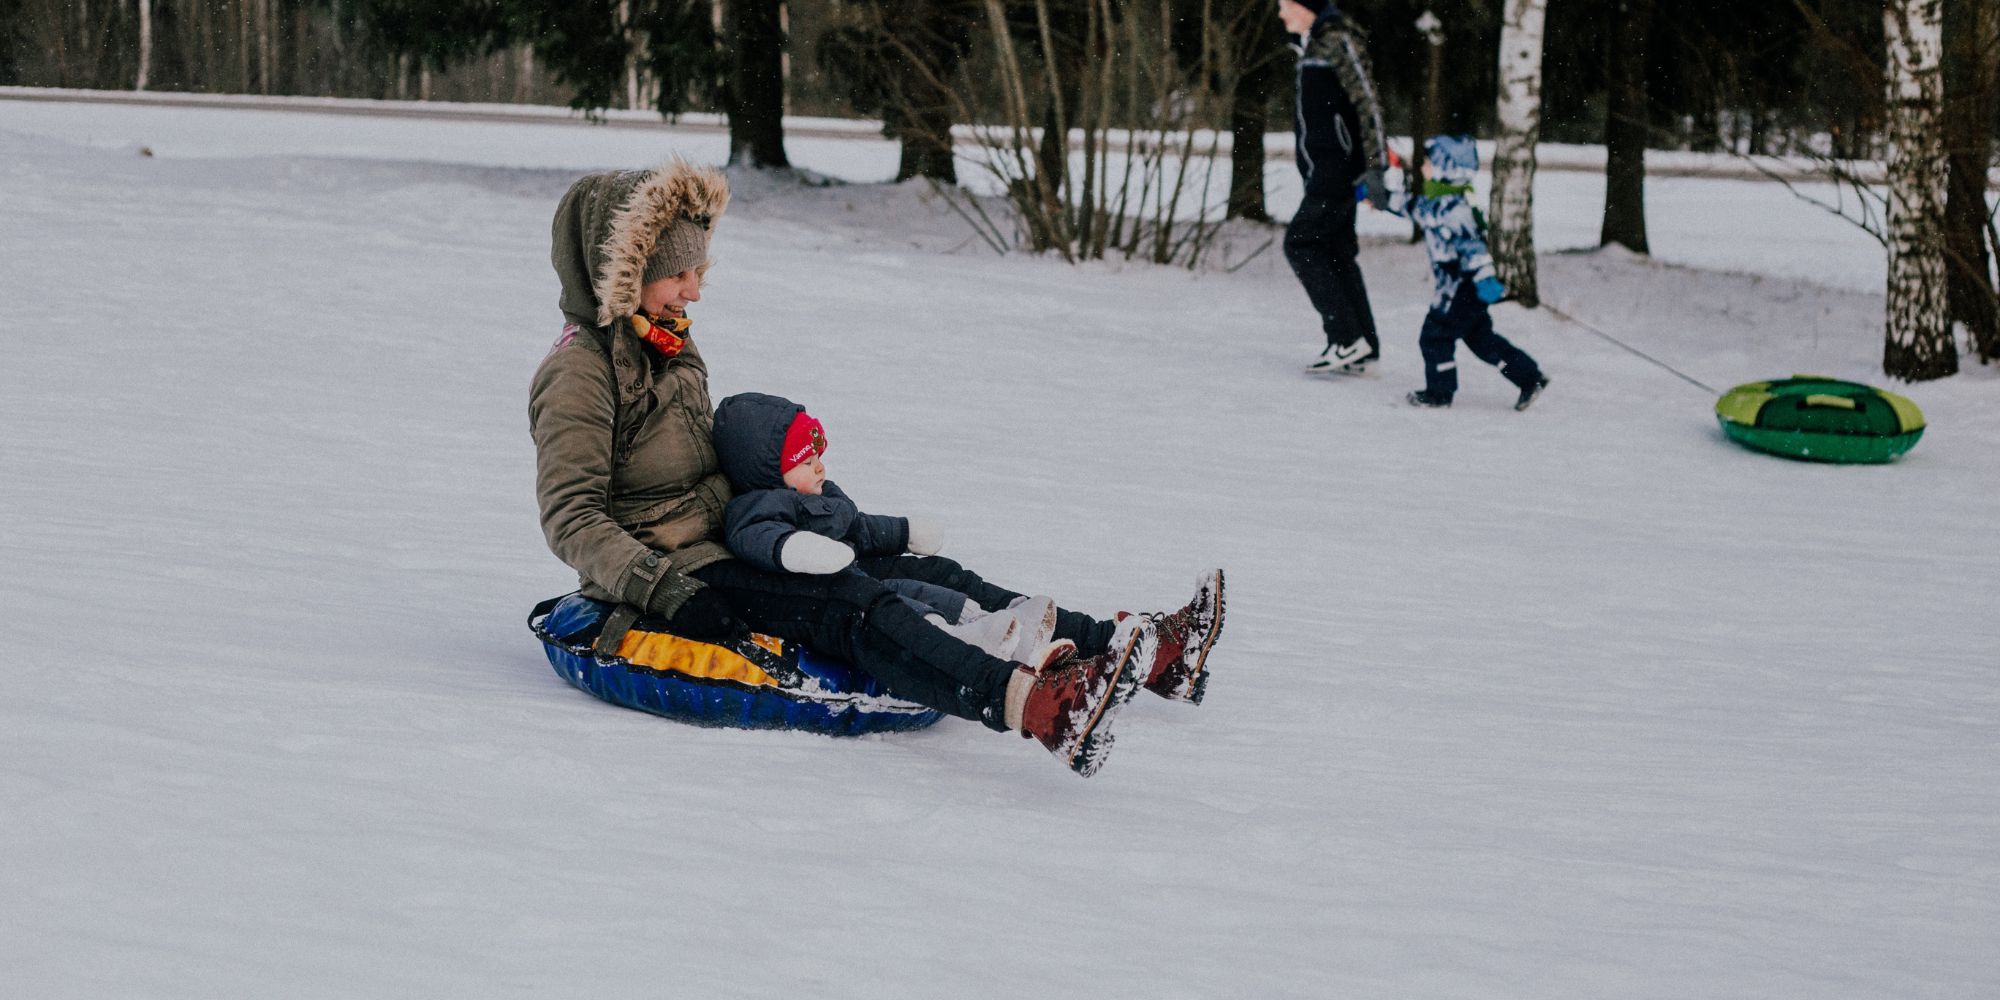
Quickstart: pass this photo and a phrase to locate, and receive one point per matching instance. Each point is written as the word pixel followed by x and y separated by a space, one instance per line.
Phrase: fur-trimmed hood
pixel 606 227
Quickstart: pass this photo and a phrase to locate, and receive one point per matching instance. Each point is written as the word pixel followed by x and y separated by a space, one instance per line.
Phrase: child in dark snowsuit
pixel 1455 238
pixel 787 517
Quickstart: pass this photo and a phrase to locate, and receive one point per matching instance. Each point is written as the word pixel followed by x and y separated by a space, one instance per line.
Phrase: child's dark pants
pixel 1465 318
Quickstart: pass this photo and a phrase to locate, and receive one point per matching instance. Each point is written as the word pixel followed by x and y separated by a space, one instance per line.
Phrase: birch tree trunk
pixel 1513 204
pixel 1919 342
pixel 145 42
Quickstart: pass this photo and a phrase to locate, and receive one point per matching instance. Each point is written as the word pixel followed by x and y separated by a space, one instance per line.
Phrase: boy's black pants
pixel 1321 246
pixel 1091 635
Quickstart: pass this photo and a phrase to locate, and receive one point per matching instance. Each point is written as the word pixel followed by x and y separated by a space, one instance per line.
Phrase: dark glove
pixel 706 617
pixel 1374 188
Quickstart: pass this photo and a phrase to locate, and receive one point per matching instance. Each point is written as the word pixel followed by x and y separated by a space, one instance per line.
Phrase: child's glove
pixel 810 552
pixel 926 538
pixel 1491 290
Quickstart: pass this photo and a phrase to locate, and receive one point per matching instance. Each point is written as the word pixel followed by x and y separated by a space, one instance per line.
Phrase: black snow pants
pixel 1321 246
pixel 1091 635
pixel 1466 318
pixel 853 617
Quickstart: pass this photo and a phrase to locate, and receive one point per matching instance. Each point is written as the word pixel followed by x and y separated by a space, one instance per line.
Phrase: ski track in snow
pixel 1582 702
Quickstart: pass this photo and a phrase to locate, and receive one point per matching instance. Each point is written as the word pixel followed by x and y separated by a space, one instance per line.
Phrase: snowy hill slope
pixel 1579 702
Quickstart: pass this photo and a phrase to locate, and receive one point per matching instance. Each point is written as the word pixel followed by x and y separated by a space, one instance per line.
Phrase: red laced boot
pixel 1179 666
pixel 1070 702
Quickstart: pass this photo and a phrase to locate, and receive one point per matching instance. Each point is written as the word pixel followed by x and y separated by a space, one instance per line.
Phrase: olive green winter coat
pixel 626 476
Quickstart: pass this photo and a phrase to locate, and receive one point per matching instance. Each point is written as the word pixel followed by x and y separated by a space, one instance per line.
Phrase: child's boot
pixel 1067 704
pixel 1430 400
pixel 1530 391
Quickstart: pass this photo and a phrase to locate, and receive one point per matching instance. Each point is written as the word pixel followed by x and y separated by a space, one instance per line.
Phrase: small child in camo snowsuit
pixel 787 517
pixel 1455 239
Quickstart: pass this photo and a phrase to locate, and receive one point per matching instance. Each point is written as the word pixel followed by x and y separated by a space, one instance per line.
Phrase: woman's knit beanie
pixel 682 246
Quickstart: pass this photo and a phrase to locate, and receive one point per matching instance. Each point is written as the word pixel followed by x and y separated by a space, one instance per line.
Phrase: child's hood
pixel 1452 159
pixel 750 437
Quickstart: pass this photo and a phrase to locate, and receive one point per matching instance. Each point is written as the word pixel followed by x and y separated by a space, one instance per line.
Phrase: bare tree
pixel 754 36
pixel 1256 44
pixel 1918 342
pixel 1520 109
pixel 625 34
pixel 1627 116
pixel 1137 147
pixel 264 53
pixel 1971 103
pixel 243 36
pixel 900 59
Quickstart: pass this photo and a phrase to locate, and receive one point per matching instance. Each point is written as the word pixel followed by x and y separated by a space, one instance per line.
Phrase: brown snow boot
pixel 1179 667
pixel 1068 704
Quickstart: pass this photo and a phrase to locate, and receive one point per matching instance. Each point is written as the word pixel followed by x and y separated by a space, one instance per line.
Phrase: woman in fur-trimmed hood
pixel 632 499
pixel 629 490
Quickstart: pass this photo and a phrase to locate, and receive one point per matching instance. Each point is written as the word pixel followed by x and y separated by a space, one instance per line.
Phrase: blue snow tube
pixel 750 683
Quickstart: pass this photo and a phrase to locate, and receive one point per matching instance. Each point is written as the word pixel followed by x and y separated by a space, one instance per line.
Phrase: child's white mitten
pixel 926 538
pixel 810 552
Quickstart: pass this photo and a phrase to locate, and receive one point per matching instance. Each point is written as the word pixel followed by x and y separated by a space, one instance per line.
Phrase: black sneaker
pixel 1425 397
pixel 1530 391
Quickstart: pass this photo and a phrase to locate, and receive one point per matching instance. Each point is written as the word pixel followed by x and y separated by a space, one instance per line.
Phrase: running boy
pixel 1455 238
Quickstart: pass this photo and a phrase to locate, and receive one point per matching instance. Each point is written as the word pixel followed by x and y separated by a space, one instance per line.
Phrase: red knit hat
pixel 803 439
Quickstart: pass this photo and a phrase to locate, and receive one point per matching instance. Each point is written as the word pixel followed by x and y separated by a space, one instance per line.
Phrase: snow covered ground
pixel 1581 702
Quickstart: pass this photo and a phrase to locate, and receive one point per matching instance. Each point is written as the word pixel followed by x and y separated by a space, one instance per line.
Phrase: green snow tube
pixel 1820 419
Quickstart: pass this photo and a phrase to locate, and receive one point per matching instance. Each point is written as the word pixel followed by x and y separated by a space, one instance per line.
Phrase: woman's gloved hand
pixel 810 552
